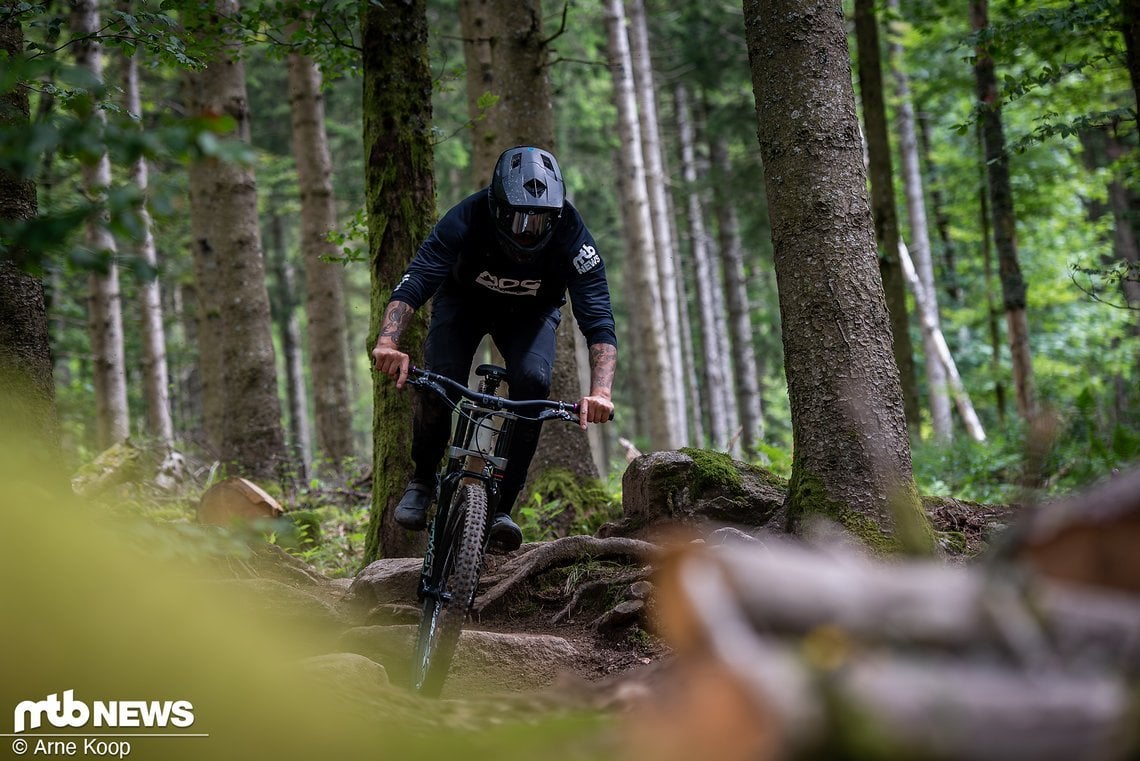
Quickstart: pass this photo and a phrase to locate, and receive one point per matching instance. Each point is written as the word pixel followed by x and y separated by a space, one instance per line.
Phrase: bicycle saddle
pixel 493 372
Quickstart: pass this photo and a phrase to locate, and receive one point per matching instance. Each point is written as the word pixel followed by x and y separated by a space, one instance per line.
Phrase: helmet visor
pixel 528 227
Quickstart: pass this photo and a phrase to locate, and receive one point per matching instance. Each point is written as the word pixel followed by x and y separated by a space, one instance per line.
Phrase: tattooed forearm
pixel 395 320
pixel 603 363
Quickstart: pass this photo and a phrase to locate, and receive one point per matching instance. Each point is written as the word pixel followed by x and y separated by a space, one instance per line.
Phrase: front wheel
pixel 443 614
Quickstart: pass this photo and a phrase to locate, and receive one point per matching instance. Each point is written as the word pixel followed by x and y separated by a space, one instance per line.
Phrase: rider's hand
pixel 388 359
pixel 596 408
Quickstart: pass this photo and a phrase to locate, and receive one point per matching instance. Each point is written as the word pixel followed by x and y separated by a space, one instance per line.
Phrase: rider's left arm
pixel 598 407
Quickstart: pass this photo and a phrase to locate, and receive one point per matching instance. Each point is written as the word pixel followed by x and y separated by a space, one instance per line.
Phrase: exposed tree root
pixel 546 556
pixel 593 587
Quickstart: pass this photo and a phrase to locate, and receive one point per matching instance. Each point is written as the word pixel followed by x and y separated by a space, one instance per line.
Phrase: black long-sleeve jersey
pixel 463 256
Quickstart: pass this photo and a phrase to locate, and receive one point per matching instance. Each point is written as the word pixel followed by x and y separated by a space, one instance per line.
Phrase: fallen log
pixel 827 652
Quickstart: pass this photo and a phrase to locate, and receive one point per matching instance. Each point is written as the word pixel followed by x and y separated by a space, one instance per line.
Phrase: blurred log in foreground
pixel 788 651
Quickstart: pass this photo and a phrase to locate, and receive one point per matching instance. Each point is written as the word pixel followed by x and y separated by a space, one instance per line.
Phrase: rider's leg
pixel 453 336
pixel 528 349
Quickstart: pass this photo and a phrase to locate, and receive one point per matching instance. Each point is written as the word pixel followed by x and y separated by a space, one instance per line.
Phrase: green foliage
pixel 1081 451
pixel 561 504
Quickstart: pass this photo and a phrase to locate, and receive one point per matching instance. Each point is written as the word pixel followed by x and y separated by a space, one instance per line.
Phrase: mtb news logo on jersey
pixel 69 712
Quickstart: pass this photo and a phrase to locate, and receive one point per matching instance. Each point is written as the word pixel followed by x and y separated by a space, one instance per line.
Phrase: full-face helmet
pixel 526 197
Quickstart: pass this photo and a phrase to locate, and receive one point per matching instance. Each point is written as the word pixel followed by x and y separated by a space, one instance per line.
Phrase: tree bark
pixel 224 204
pixel 156 376
pixel 716 385
pixel 27 387
pixel 883 202
pixel 284 307
pixel 641 263
pixel 104 303
pixel 324 280
pixel 657 185
pixel 1130 12
pixel 1013 286
pixel 940 417
pixel 401 210
pixel 851 450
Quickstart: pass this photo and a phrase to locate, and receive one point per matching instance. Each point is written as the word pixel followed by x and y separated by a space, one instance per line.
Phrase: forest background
pixel 1067 105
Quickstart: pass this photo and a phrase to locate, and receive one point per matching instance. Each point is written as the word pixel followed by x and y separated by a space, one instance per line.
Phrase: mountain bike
pixel 468 495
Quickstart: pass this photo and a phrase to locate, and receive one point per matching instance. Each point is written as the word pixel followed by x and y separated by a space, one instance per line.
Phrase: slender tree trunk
pixel 746 374
pixel 851 450
pixel 936 379
pixel 693 400
pixel 104 304
pixel 284 307
pixel 949 275
pixel 716 385
pixel 1125 245
pixel 1013 285
pixel 156 376
pixel 324 280
pixel 992 323
pixel 27 388
pixel 940 352
pixel 224 204
pixel 883 201
pixel 657 186
pixel 641 261
pixel 1130 12
pixel 720 308
pixel 401 210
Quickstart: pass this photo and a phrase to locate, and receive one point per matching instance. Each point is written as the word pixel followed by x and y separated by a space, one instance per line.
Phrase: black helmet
pixel 526 198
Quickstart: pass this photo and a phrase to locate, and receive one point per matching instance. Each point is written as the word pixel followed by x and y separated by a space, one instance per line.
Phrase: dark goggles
pixel 527 226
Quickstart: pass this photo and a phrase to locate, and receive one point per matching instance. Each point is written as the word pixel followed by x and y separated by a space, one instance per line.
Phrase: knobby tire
pixel 442 622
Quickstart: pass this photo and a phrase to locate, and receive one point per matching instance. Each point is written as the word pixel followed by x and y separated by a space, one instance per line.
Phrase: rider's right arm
pixel 386 355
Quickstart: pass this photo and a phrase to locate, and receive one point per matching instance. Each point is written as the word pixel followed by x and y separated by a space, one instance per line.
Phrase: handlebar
pixel 549 408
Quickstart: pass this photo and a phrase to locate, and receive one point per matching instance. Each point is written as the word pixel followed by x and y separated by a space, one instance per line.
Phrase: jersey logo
pixel 508 285
pixel 586 259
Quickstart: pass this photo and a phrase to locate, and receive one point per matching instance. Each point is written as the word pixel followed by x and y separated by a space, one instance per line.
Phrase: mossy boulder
pixel 696 488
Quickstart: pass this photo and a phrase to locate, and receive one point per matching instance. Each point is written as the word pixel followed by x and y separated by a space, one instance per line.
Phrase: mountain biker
pixel 500 263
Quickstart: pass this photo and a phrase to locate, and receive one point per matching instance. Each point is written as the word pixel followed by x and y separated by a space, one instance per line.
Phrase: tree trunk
pixel 746 374
pixel 401 210
pixel 657 186
pixel 1013 286
pixel 949 274
pixel 156 376
pixel 883 202
pixel 641 262
pixel 940 416
pixel 992 325
pixel 715 382
pixel 284 307
pixel 27 402
pixel 324 280
pixel 851 450
pixel 939 351
pixel 104 310
pixel 1130 11
pixel 224 204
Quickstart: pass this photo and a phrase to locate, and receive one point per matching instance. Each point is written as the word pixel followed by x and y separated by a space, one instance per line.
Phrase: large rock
pixel 485 662
pixel 699 489
pixel 386 581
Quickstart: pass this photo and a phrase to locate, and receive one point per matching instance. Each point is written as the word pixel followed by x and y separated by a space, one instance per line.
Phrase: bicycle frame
pixel 478 453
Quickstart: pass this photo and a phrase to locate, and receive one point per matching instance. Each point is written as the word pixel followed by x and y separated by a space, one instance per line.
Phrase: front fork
pixel 431 578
